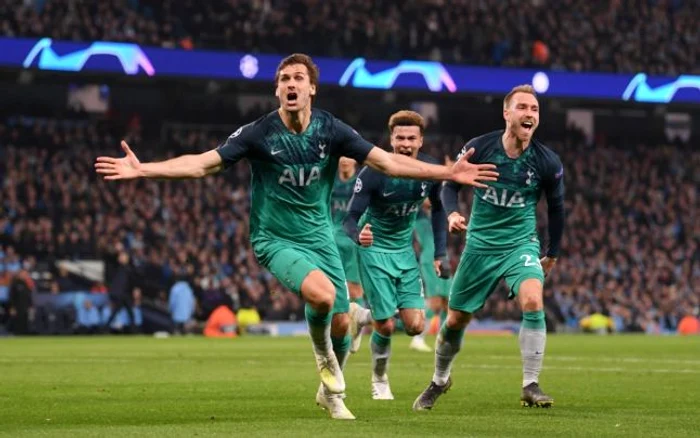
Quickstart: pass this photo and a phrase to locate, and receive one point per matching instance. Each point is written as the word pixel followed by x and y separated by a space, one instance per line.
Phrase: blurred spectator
pixel 689 323
pixel 121 291
pixel 20 303
pixel 597 323
pixel 247 316
pixel 181 304
pixel 88 317
pixel 65 281
pixel 221 323
pixel 52 319
pixel 623 36
pixel 98 288
pixel 116 320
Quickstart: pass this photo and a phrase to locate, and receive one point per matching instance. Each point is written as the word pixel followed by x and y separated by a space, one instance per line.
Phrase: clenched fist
pixel 366 238
pixel 456 223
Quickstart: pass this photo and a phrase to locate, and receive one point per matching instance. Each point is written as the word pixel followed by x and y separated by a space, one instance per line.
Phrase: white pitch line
pixel 554 357
pixel 591 369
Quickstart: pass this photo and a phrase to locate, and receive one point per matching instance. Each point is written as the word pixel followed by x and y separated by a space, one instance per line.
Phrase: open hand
pixel 466 173
pixel 128 167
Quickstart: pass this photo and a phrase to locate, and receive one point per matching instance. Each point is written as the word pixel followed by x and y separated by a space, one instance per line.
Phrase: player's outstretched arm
pixel 184 166
pixel 462 172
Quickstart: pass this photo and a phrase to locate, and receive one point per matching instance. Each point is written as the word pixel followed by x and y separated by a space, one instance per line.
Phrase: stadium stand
pixel 658 37
pixel 631 249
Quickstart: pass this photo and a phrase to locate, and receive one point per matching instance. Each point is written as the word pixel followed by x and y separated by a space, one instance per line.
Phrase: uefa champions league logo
pixel 358 186
pixel 130 56
pixel 434 74
pixel 640 90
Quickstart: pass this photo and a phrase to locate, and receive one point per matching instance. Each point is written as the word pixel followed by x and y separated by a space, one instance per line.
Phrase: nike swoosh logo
pixel 388 194
pixel 276 152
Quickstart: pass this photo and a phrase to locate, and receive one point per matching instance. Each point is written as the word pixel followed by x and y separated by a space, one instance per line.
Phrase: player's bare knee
pixel 385 327
pixel 323 300
pixel 318 291
pixel 415 327
pixel 531 304
pixel 457 320
pixel 530 295
pixel 531 300
pixel 340 325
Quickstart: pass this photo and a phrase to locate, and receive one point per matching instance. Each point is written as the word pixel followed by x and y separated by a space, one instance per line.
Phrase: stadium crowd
pixel 631 249
pixel 654 36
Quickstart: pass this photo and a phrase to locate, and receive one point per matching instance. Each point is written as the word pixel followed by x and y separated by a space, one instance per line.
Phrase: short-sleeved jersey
pixel 391 206
pixel 503 214
pixel 342 192
pixel 292 174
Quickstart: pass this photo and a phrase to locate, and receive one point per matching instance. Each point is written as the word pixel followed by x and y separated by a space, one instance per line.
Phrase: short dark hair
pixel 303 59
pixel 527 88
pixel 406 118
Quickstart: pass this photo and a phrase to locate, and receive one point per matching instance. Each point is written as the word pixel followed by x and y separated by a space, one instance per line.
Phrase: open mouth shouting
pixel 528 125
pixel 292 98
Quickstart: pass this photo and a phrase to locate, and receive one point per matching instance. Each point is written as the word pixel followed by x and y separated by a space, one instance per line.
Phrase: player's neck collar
pixel 506 150
pixel 289 127
pixel 343 179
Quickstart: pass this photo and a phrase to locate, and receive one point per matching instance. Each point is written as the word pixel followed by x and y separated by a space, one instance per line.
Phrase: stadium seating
pixel 630 248
pixel 622 36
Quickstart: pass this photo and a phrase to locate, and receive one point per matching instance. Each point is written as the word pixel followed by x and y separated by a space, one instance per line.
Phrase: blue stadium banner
pixel 133 59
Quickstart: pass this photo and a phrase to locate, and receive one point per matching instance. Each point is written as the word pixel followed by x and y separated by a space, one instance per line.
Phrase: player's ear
pixel 312 90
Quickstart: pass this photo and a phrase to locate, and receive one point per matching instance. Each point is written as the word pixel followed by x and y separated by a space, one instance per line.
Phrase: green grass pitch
pixel 141 386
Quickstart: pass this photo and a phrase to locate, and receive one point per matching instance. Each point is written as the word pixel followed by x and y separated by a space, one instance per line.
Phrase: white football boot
pixel 380 388
pixel 330 372
pixel 418 344
pixel 334 404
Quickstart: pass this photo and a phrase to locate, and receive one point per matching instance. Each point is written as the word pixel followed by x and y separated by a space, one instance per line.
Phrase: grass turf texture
pixel 141 386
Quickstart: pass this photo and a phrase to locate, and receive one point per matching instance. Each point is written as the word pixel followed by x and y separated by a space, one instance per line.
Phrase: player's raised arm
pixel 184 166
pixel 365 185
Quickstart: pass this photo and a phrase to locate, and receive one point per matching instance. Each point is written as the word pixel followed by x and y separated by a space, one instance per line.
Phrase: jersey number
pixel 529 262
